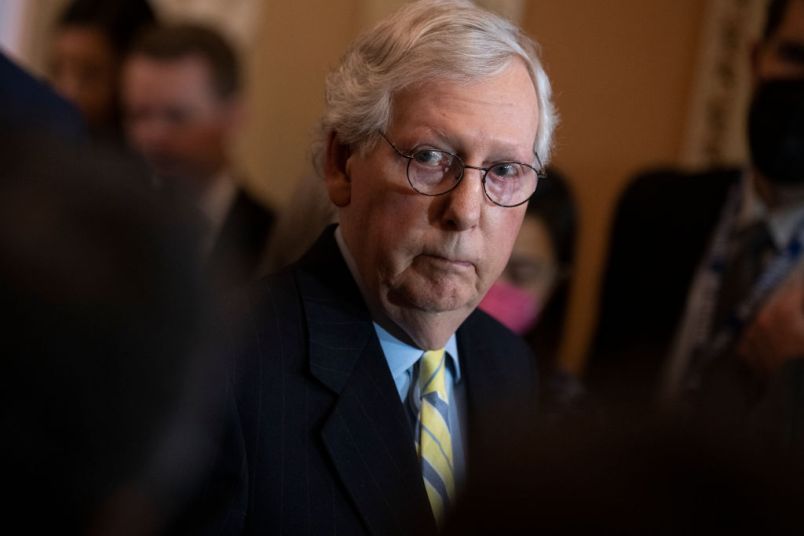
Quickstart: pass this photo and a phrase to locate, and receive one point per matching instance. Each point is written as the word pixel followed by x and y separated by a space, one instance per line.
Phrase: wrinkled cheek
pixel 488 274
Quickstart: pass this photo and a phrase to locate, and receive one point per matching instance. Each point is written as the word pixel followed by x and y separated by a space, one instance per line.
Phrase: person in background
pixel 743 326
pixel 89 41
pixel 730 242
pixel 182 101
pixel 532 294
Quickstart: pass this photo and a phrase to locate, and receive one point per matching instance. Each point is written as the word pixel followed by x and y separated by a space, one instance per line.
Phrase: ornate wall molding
pixel 715 132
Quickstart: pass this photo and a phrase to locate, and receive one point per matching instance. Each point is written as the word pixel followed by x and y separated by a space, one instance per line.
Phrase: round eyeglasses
pixel 434 172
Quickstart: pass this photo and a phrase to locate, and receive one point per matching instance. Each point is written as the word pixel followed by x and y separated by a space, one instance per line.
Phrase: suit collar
pixel 216 203
pixel 480 366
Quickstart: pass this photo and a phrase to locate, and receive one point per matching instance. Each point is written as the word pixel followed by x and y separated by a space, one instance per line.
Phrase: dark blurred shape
pixel 632 476
pixel 774 17
pixel 90 40
pixel 106 348
pixel 659 235
pixel 776 131
pixel 27 105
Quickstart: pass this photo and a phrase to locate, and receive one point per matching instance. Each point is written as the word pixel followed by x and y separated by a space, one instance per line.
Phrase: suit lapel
pixel 480 365
pixel 367 435
pixel 499 387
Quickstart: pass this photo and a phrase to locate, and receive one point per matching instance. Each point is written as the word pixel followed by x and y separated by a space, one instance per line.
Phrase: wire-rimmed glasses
pixel 435 172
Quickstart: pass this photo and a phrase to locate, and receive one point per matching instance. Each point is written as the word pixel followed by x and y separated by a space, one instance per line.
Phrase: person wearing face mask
pixel 727 241
pixel 531 295
pixel 743 325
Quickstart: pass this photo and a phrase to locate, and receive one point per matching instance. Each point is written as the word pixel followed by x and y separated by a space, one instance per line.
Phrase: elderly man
pixel 365 368
pixel 182 104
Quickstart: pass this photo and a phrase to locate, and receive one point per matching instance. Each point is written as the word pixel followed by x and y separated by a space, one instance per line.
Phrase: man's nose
pixel 465 203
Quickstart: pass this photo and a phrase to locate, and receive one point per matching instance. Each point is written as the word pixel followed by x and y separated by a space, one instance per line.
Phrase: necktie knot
pixel 432 378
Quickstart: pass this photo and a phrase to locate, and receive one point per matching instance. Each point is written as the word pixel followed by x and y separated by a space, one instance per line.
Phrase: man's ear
pixel 336 174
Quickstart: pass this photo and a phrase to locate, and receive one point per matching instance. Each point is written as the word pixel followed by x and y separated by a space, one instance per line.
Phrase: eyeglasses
pixel 433 172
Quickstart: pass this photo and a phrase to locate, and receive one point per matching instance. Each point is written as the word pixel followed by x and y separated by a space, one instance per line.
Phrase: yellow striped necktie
pixel 434 439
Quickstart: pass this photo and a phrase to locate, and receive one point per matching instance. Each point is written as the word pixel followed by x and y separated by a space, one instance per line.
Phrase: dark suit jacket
pixel 238 250
pixel 322 443
pixel 662 226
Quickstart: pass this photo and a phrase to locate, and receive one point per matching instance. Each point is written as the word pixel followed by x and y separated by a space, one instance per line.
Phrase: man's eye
pixel 506 170
pixel 430 157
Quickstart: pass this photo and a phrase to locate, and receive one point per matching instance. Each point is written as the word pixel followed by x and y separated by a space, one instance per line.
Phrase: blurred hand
pixel 777 332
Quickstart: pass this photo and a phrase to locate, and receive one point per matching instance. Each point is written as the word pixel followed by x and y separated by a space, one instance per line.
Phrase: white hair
pixel 425 40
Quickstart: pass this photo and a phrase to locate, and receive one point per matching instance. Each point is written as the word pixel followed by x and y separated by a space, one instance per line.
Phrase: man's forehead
pixel 469 95
pixel 189 66
pixel 183 78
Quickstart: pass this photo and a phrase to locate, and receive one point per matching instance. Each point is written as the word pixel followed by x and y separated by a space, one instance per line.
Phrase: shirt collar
pixel 402 356
pixel 215 205
pixel 215 202
pixel 782 221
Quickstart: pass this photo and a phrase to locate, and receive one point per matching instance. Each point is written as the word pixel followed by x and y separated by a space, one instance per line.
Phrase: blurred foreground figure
pixel 633 477
pixel 735 240
pixel 105 367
